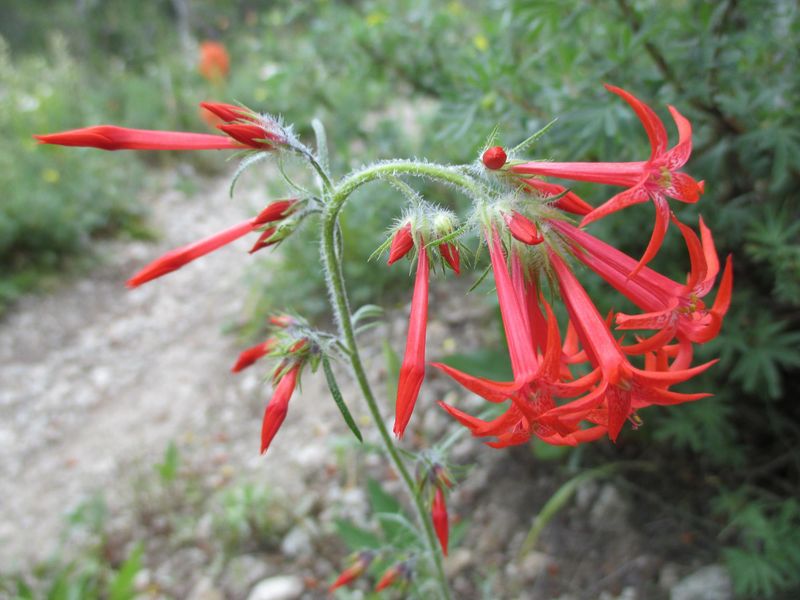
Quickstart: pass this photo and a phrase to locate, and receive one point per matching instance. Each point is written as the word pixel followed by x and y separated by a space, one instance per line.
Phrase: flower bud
pixel 494 158
pixel 402 243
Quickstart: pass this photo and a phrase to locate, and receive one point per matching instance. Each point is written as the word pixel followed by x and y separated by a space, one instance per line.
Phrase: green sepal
pixel 532 139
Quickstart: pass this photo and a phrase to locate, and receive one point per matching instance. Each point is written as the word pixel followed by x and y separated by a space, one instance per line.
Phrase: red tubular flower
pixel 673 308
pixel 494 158
pixel 451 256
pixel 515 323
pixel 252 354
pixel 440 520
pixel 402 242
pixel 175 259
pixel 522 228
pixel 623 387
pixel 412 371
pixel 354 571
pixel 110 137
pixel 654 179
pixel 275 412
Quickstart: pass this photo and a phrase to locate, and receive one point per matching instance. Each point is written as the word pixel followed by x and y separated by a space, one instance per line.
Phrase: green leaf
pixel 122 587
pixel 246 163
pixel 337 397
pixel 355 537
pixel 168 469
pixel 380 501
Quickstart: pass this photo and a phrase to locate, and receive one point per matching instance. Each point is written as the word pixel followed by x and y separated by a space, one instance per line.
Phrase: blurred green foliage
pixel 412 77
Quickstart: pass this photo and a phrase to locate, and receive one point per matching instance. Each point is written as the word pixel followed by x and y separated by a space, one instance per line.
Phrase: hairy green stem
pixel 338 292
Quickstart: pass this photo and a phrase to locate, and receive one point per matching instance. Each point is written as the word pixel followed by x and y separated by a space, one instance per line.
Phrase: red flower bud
pixel 264 240
pixel 253 135
pixel 439 517
pixel 252 354
pixel 276 211
pixel 354 571
pixel 388 578
pixel 451 256
pixel 229 113
pixel 282 321
pixel 402 243
pixel 522 228
pixel 494 158
pixel 275 412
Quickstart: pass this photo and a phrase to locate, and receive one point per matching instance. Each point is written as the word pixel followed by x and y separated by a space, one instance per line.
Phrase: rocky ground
pixel 97 381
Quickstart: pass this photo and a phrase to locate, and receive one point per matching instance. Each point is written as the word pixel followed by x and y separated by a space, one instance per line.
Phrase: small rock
pixel 609 512
pixel 709 583
pixel 533 565
pixel 297 543
pixel 669 576
pixel 457 562
pixel 241 573
pixel 282 587
pixel 204 589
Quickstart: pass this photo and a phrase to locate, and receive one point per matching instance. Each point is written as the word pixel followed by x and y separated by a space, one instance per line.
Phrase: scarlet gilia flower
pixel 623 388
pixel 275 412
pixel 252 354
pixel 494 158
pixel 656 178
pixel 248 131
pixel 214 61
pixel 110 137
pixel 440 519
pixel 412 370
pixel 177 258
pixel 354 571
pixel 675 309
pixel 402 243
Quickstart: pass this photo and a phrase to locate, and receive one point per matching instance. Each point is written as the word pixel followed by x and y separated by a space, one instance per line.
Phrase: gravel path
pixel 95 377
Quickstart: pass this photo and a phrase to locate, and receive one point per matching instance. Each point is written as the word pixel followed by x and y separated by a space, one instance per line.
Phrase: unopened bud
pixel 402 243
pixel 494 158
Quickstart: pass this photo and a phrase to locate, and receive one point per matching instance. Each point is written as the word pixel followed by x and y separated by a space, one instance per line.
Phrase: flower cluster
pixel 585 384
pixel 573 381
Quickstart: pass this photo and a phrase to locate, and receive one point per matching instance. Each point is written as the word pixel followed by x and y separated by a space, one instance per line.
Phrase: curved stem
pixel 442 173
pixel 337 289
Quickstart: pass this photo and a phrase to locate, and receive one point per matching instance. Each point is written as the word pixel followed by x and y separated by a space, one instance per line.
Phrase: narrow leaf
pixel 337 397
pixel 246 163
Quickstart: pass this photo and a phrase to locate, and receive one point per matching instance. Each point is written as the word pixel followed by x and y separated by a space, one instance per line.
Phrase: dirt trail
pixel 94 377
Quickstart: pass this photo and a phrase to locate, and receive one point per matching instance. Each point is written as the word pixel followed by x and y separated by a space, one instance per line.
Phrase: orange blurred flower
pixel 214 61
